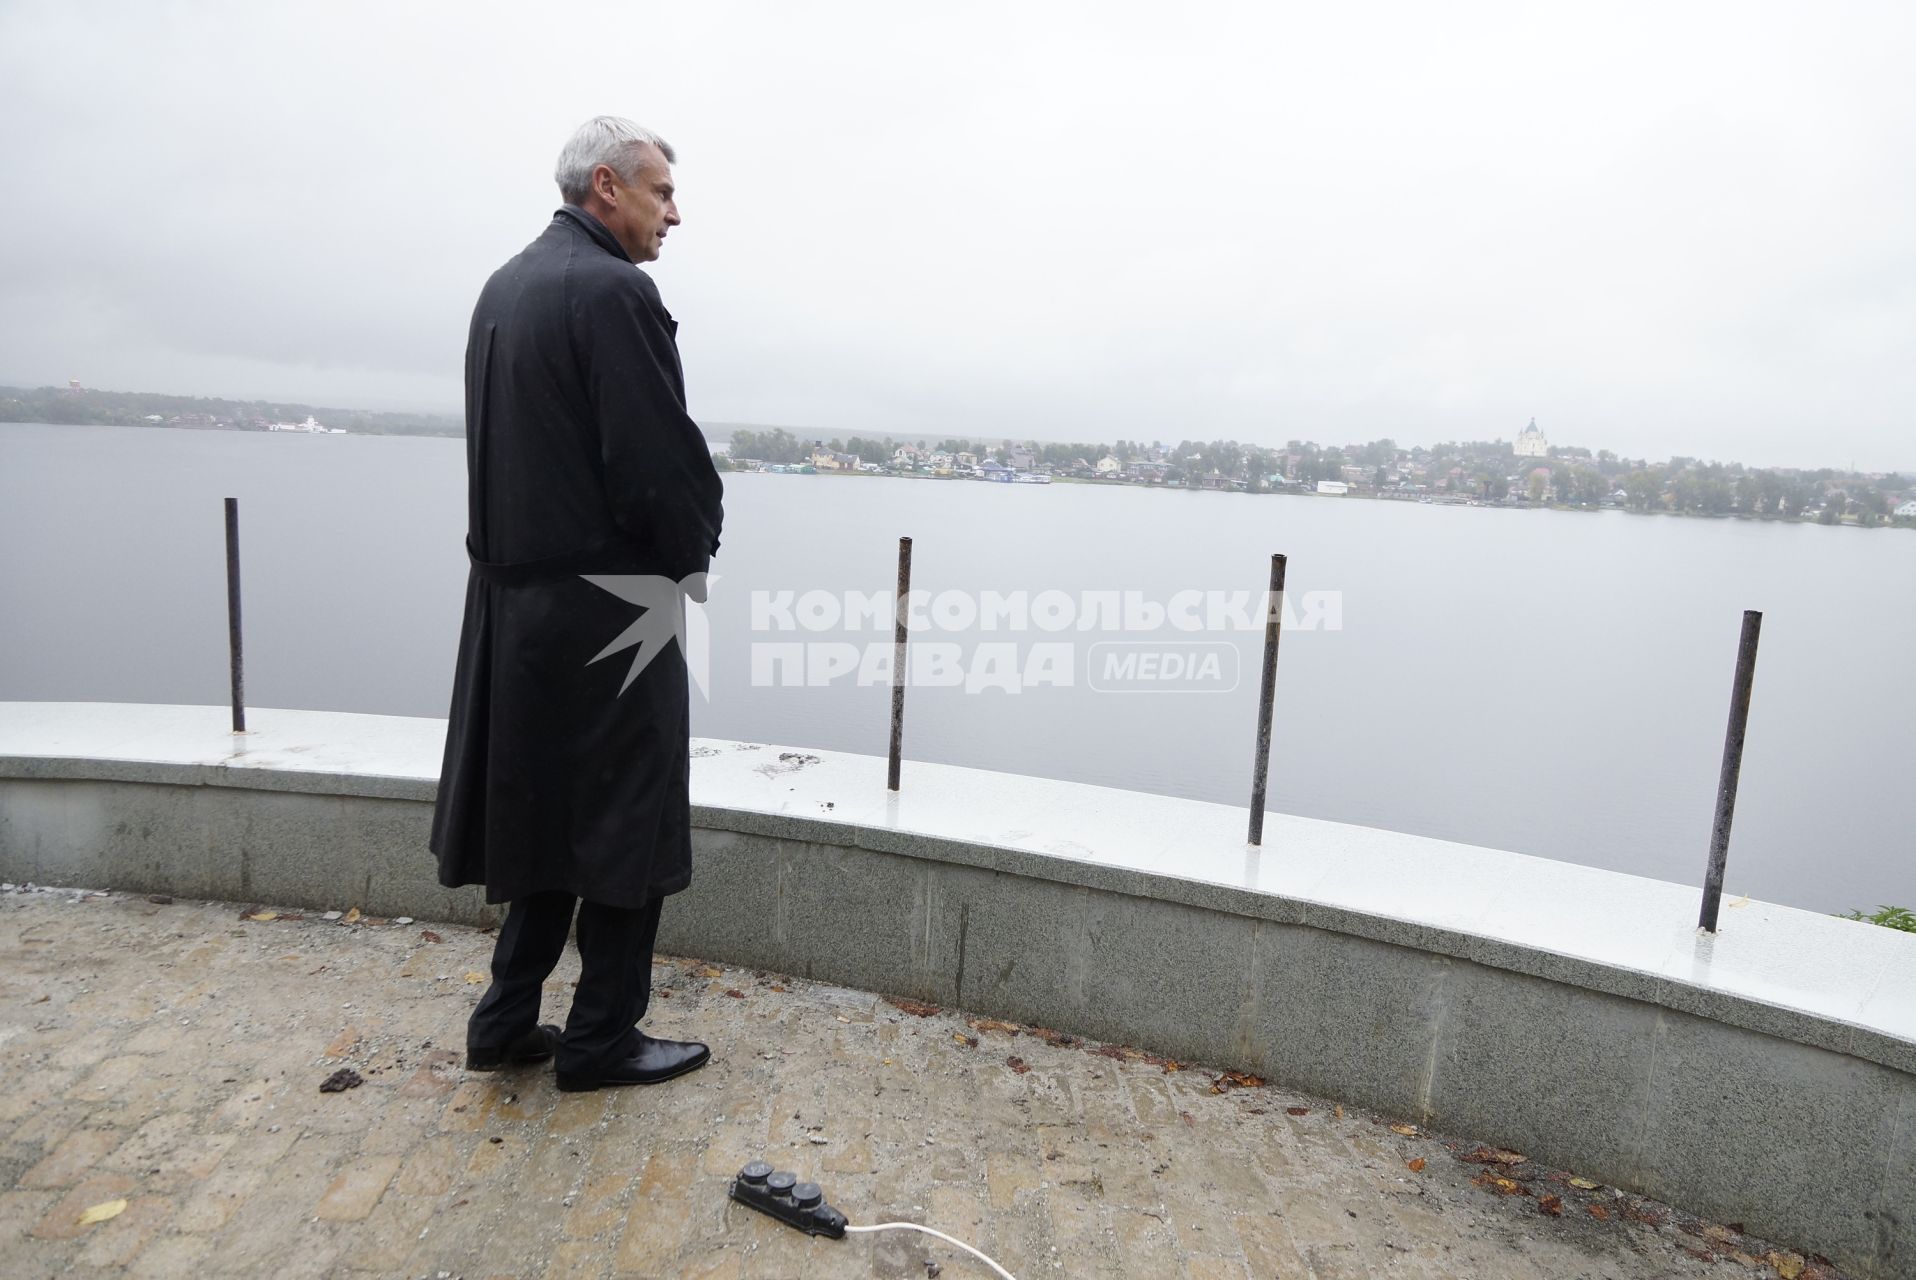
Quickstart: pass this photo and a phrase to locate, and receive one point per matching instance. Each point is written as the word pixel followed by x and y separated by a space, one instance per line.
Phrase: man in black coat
pixel 565 775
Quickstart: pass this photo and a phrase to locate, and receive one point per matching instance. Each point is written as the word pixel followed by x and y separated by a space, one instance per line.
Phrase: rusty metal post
pixel 234 648
pixel 1266 694
pixel 901 611
pixel 1732 765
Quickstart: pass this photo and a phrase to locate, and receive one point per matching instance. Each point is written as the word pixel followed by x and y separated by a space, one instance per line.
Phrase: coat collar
pixel 593 228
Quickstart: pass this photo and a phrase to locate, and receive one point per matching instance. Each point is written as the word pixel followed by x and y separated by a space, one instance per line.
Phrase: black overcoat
pixel 580 459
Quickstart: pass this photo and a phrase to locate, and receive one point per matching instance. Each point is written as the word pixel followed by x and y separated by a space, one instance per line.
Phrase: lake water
pixel 1550 682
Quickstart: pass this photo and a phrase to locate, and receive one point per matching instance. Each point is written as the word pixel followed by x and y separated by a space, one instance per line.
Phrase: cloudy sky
pixel 1663 228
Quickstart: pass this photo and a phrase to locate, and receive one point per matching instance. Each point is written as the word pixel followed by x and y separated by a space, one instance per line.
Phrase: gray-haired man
pixel 565 779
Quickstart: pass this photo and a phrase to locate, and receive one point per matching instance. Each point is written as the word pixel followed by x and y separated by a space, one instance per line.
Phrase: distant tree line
pixel 65 406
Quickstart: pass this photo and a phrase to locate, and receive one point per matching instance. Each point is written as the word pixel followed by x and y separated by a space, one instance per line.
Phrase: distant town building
pixel 1332 486
pixel 824 459
pixel 1531 444
pixel 1907 511
pixel 1109 466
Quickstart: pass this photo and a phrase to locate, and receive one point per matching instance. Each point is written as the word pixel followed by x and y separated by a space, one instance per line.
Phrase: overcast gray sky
pixel 1659 228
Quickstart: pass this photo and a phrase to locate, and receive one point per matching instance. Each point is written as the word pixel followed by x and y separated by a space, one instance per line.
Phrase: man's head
pixel 621 174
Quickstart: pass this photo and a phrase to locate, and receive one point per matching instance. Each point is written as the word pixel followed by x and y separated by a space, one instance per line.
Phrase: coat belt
pixel 567 564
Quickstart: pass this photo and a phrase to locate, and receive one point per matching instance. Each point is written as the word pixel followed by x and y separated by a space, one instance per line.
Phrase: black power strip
pixel 781 1195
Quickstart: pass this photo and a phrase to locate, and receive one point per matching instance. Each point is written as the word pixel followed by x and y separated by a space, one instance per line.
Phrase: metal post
pixel 234 648
pixel 901 610
pixel 1732 765
pixel 1267 692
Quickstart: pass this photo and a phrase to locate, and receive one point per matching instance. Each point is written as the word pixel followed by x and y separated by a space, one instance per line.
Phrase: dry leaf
pixel 916 1008
pixel 264 916
pixel 709 971
pixel 475 977
pixel 1416 1166
pixel 1407 1130
pixel 1017 1064
pixel 1600 1213
pixel 1583 1184
pixel 993 1024
pixel 735 993
pixel 1491 1155
pixel 1186 1117
pixel 114 1208
pixel 430 936
pixel 1297 1111
pixel 1503 1186
pixel 776 987
pixel 970 1042
pixel 1338 1111
pixel 1551 1205
pixel 351 916
pixel 1788 1265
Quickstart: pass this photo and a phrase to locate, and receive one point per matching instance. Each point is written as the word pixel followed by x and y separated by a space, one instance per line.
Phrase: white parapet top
pixel 1765 955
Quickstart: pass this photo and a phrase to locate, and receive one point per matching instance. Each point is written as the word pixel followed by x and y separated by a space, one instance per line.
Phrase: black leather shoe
pixel 655 1061
pixel 535 1045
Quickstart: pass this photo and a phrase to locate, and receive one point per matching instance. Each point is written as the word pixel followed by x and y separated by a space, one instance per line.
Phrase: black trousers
pixel 615 977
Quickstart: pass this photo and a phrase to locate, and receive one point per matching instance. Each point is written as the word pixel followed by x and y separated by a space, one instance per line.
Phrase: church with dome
pixel 1531 444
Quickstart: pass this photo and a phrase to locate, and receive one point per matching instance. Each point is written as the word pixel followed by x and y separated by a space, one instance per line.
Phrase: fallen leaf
pixel 430 936
pixel 1600 1213
pixel 1338 1111
pixel 373 920
pixel 735 993
pixel 1583 1184
pixel 160 899
pixel 841 1017
pixel 1186 1117
pixel 1407 1130
pixel 993 1024
pixel 776 987
pixel 262 916
pixel 1172 1064
pixel 1297 1111
pixel 1017 1064
pixel 475 977
pixel 1416 1166
pixel 114 1208
pixel 916 1008
pixel 351 916
pixel 1788 1265
pixel 1492 1155
pixel 970 1042
pixel 1502 1186
pixel 1551 1205
pixel 709 971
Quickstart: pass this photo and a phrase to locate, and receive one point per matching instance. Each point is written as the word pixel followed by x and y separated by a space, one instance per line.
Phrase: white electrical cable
pixel 913 1226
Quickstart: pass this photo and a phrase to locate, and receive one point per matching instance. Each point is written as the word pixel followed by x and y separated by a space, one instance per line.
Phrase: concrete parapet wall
pixel 1798 1124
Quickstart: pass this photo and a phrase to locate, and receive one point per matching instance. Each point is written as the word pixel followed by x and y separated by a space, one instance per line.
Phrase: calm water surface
pixel 1549 682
